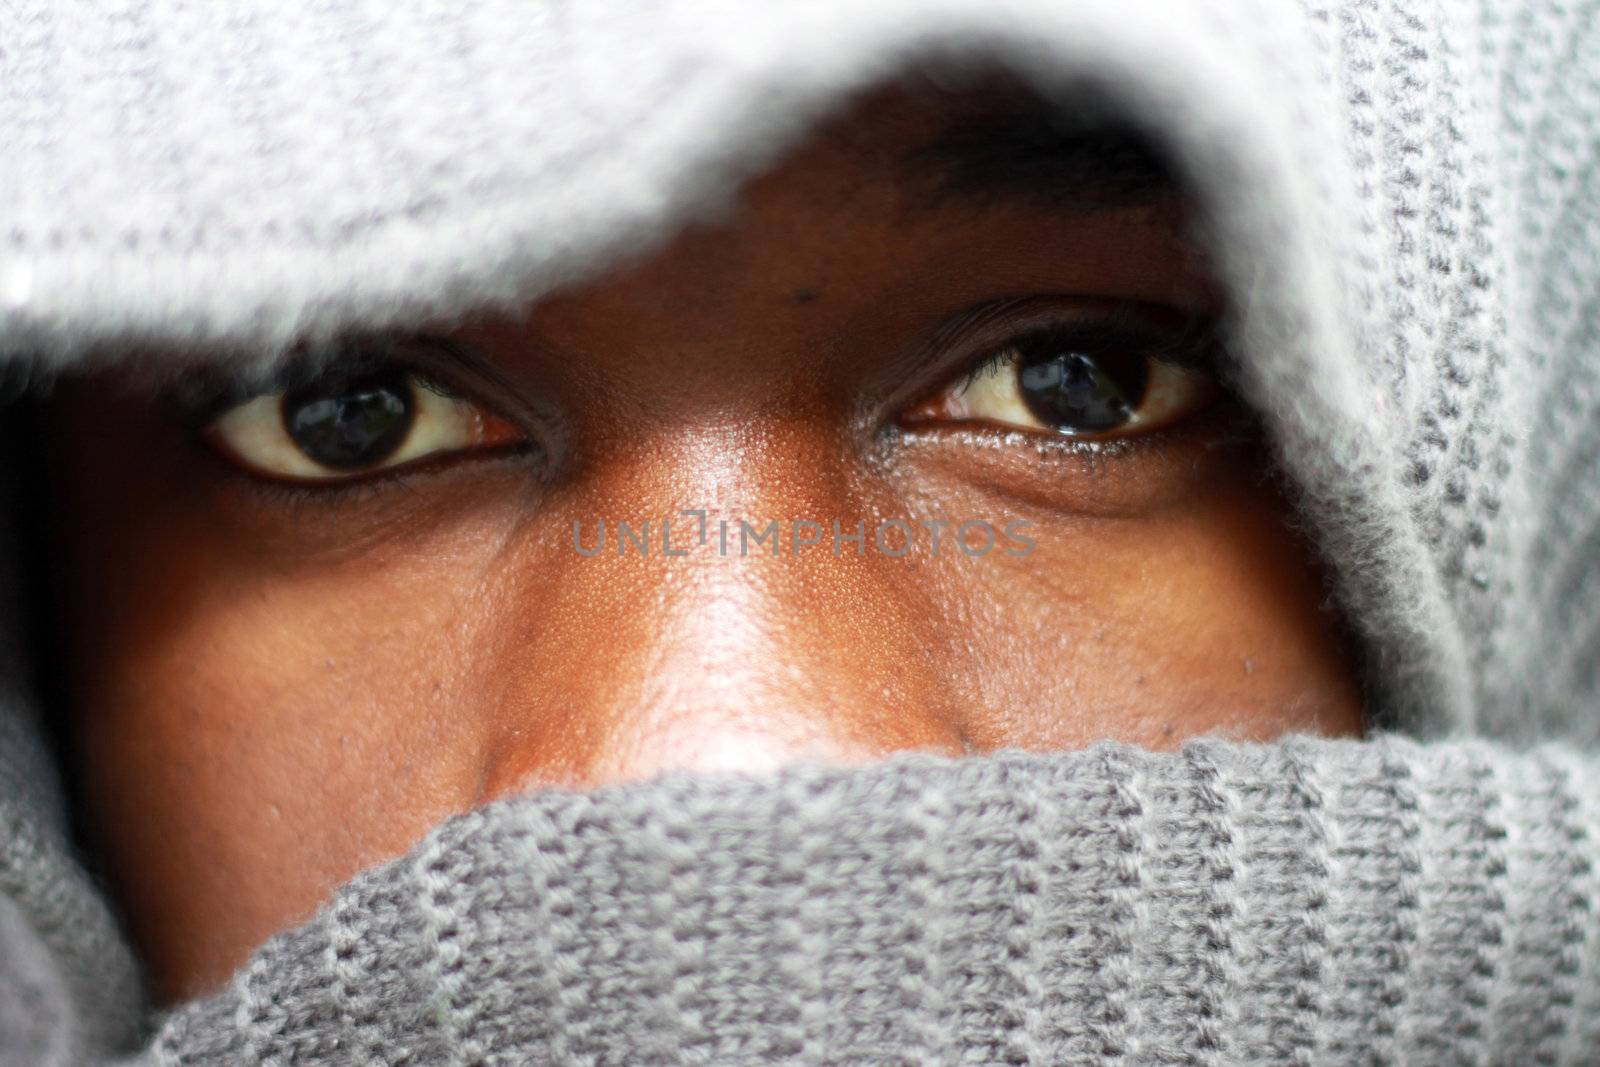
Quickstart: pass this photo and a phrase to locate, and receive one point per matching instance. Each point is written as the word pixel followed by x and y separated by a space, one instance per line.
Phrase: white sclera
pixel 256 435
pixel 994 395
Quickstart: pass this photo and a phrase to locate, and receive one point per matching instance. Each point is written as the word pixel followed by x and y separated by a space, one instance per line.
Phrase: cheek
pixel 252 733
pixel 1202 617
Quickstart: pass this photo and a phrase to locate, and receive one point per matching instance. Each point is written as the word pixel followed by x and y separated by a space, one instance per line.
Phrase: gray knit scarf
pixel 1400 196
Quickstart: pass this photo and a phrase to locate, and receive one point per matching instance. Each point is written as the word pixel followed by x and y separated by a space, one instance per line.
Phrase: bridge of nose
pixel 657 651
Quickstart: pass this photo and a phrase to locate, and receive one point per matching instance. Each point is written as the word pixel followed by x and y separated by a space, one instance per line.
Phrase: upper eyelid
pixel 959 348
pixel 977 337
pixel 1189 351
pixel 439 363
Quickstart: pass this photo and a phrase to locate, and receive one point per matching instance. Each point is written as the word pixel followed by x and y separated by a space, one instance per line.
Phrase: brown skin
pixel 273 688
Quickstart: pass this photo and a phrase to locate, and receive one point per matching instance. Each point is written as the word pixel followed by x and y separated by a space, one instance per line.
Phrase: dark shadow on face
pixel 307 619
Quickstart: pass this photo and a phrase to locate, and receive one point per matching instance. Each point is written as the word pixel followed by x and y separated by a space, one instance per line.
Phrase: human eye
pixel 1096 376
pixel 373 412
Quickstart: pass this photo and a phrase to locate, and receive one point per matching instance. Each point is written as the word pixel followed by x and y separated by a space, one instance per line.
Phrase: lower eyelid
pixel 1107 478
pixel 328 496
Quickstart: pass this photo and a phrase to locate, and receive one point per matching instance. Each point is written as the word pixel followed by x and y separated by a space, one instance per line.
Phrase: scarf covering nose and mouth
pixel 1306 902
pixel 1400 198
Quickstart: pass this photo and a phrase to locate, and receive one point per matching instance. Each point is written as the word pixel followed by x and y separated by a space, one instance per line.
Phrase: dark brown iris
pixel 351 423
pixel 1076 389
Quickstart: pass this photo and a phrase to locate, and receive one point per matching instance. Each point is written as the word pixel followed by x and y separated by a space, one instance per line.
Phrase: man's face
pixel 303 627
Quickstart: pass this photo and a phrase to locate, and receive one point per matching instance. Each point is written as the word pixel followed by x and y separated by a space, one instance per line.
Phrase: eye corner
pixel 360 416
pixel 1167 360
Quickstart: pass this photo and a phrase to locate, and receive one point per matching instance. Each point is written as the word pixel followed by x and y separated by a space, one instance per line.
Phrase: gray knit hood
pixel 1401 198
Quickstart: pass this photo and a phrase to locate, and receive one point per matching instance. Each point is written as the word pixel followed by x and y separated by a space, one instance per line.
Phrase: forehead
pixel 902 209
pixel 992 141
pixel 920 162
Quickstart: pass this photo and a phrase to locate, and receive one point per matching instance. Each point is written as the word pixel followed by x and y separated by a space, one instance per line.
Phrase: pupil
pixel 1080 392
pixel 351 423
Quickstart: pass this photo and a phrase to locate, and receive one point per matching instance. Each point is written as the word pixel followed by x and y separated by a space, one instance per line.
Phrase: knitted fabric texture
pixel 1400 199
pixel 1309 902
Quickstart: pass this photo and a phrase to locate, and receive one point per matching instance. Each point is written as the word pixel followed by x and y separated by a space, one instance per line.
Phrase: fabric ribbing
pixel 1222 904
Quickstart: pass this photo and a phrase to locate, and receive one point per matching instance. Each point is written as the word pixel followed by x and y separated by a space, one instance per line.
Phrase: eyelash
pixel 1194 348
pixel 198 402
pixel 329 496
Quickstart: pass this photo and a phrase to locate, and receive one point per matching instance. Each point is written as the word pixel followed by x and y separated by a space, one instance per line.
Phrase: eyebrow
pixel 1041 154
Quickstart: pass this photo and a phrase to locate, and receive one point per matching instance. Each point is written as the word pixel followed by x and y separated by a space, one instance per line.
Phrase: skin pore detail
pixel 286 663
